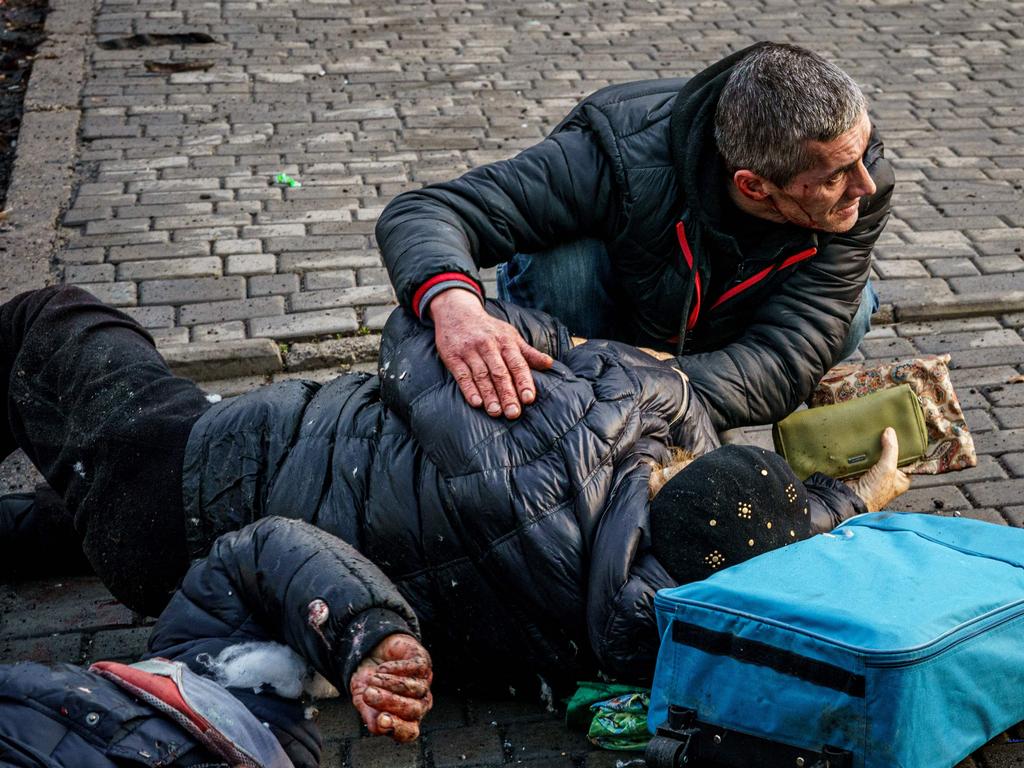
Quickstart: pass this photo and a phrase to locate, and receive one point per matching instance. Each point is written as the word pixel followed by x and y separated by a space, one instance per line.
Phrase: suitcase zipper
pixel 873 658
pixel 907 658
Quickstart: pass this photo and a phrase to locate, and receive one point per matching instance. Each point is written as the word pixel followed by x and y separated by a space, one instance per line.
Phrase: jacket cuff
pixel 367 630
pixel 438 284
pixel 832 502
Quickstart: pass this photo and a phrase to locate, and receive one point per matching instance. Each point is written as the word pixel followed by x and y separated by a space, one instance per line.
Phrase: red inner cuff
pixel 443 277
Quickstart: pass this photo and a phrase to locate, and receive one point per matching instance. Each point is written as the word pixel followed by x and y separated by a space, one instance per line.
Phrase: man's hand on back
pixel 488 358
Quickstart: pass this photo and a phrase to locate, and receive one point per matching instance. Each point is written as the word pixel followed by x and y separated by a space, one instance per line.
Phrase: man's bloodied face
pixel 827 196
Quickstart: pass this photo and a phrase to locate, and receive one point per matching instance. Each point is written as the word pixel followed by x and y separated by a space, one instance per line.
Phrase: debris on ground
pixel 170 67
pixel 142 41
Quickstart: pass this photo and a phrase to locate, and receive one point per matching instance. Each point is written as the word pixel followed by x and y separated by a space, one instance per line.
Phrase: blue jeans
pixel 574 283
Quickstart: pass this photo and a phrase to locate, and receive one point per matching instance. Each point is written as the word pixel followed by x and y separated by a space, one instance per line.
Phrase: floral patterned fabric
pixel 950 445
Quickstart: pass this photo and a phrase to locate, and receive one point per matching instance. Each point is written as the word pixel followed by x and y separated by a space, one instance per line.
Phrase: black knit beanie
pixel 726 507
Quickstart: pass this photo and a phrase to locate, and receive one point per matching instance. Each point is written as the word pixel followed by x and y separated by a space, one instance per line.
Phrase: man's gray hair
pixel 776 100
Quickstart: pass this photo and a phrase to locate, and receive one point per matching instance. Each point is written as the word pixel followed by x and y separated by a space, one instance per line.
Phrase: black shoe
pixel 38 538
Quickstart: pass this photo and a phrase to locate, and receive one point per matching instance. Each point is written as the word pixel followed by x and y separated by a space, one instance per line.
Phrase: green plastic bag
pixel 614 716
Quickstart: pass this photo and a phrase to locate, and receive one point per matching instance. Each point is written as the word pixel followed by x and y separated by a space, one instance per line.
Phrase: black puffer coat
pixel 523 546
pixel 636 166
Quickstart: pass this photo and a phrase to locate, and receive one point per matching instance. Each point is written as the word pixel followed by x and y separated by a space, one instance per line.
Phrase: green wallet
pixel 845 439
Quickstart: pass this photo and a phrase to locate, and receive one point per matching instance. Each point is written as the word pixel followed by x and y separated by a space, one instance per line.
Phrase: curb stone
pixel 43 168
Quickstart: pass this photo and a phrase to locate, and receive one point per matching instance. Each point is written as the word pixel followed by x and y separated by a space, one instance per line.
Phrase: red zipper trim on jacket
pixel 736 289
pixel 688 255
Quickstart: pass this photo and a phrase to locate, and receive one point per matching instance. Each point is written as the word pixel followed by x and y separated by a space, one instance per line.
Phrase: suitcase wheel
pixel 663 752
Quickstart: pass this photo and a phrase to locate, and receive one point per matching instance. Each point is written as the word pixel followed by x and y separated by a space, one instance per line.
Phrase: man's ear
pixel 752 186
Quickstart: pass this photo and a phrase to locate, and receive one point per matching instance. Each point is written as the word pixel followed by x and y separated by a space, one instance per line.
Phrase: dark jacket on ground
pixel 523 546
pixel 636 166
pixel 256 585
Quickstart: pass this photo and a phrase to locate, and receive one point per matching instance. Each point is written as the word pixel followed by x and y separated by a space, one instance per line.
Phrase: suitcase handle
pixel 683 740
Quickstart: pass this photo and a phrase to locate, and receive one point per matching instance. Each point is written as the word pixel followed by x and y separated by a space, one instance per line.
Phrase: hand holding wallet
pixel 844 439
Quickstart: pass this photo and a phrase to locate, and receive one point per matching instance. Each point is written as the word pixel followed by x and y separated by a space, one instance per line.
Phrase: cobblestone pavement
pixel 154 190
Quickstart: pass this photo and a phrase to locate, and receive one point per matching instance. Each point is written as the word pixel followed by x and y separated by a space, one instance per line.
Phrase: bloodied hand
pixel 391 688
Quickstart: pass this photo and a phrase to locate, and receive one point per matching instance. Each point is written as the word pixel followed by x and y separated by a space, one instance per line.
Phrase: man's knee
pixel 21 312
pixel 861 322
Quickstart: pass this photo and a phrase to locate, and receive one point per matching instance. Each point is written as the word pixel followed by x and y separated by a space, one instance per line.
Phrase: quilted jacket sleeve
pixel 795 336
pixel 553 192
pixel 258 583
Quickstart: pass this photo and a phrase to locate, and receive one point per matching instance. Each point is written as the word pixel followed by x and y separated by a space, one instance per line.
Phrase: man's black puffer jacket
pixel 636 166
pixel 523 546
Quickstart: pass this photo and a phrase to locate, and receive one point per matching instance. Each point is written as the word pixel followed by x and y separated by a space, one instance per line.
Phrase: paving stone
pixel 279 284
pixel 320 280
pixel 1014 463
pixel 384 753
pixel 82 256
pixel 201 266
pixel 1004 756
pixel 302 261
pixel 222 311
pixel 118 645
pixel 211 360
pixel 988 469
pixel 896 291
pixel 338 719
pixel 48 649
pixel 545 739
pixel 89 273
pixel 887 347
pixel 979 420
pixel 955 325
pixel 229 247
pixel 1005 394
pixel 301 325
pixel 1004 441
pixel 250 264
pixel 118 294
pixel 232 331
pixel 954 267
pixel 471 746
pixel 1011 280
pixel 1014 516
pixel 344 297
pixel 997 493
pixel 169 337
pixel 942 497
pixel 190 290
pixel 374 318
pixel 158 251
pixel 39 608
pixel 1009 418
pixel 951 342
pixel 332 353
pixel 152 317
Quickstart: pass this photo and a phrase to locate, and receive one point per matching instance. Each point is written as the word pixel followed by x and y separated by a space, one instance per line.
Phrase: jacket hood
pixel 692 135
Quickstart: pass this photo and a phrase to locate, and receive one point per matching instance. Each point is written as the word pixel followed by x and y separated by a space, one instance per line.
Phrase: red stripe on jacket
pixel 440 279
pixel 688 255
pixel 794 259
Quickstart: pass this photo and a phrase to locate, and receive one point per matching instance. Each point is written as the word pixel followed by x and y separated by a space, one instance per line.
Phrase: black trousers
pixel 96 409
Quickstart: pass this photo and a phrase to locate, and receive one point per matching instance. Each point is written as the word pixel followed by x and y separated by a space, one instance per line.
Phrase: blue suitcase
pixel 897 641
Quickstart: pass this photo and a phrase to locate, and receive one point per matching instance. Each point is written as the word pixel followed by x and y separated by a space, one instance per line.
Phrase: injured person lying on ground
pixel 528 550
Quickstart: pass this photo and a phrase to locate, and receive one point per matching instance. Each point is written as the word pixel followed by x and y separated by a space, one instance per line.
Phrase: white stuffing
pixel 79 469
pixel 213 398
pixel 267 665
pixel 546 696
